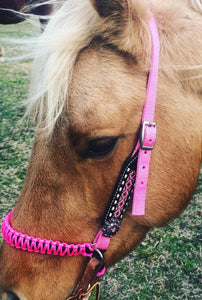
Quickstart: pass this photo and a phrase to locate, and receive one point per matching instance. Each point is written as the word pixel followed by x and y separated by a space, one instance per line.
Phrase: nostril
pixel 11 296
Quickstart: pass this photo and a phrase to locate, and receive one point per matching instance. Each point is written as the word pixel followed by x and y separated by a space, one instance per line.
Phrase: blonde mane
pixel 70 29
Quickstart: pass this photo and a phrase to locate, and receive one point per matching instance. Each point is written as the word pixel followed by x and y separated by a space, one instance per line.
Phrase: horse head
pixel 88 94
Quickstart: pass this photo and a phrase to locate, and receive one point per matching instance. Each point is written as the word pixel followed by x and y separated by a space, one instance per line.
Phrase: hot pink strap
pixel 101 241
pixel 148 127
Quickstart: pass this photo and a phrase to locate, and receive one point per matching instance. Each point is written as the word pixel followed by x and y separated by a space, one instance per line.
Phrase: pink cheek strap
pixel 148 132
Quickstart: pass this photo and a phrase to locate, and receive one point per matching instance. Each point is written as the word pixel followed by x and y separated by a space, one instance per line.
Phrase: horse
pixel 14 11
pixel 116 97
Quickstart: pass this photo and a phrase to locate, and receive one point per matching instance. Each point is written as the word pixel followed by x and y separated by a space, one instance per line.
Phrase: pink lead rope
pixel 148 134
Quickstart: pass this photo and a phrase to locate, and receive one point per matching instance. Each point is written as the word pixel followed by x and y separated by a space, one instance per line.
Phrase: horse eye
pixel 100 147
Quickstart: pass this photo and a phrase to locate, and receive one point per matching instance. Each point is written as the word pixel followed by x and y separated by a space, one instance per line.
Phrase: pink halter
pixel 140 158
pixel 147 138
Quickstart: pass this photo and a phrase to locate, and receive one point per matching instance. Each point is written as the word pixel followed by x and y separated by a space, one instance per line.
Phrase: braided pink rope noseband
pixel 43 246
pixel 144 146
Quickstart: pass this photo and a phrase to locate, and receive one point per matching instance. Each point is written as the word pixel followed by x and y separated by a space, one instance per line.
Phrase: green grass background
pixel 167 265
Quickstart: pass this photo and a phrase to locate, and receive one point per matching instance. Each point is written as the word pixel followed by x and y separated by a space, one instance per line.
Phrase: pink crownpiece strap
pixel 148 132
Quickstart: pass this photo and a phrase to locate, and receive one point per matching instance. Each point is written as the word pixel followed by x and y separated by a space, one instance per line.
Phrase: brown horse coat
pixel 92 95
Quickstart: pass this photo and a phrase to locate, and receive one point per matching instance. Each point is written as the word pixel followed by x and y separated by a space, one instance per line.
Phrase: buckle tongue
pixel 148 135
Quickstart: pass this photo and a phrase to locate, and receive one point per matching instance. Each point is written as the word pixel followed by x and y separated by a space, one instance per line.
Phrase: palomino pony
pixel 106 74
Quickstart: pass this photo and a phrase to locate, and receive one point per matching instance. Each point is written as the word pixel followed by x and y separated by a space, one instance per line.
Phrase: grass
pixel 165 266
pixel 15 135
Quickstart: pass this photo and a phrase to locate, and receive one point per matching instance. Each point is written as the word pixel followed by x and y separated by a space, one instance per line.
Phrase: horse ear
pixel 106 8
pixel 125 24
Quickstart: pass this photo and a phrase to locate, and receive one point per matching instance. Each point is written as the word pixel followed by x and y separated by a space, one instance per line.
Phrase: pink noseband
pixel 135 173
pixel 43 246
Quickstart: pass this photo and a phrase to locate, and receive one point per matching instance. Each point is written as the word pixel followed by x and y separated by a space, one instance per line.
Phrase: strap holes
pixel 142 182
pixel 143 167
pixel 145 152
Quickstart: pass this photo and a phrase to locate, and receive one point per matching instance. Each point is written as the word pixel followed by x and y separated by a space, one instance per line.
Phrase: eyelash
pixel 100 147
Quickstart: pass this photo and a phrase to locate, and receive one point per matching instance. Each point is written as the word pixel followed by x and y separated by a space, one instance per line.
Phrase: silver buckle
pixel 142 133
